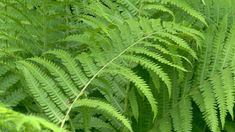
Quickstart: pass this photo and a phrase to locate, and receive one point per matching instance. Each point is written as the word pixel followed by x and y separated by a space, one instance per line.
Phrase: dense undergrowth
pixel 117 65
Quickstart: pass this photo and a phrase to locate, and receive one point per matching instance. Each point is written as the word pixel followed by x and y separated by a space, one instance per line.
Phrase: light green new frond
pixel 60 75
pixel 42 98
pixel 138 82
pixel 76 73
pixel 47 84
pixel 107 108
pixel 25 122
pixel 154 67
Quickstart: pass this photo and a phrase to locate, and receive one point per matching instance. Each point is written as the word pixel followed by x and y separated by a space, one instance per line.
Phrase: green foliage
pixel 14 121
pixel 120 65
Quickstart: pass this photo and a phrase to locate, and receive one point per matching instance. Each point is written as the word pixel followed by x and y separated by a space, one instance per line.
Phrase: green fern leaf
pixel 48 106
pixel 8 81
pixel 139 83
pixel 60 76
pixel 156 56
pixel 185 6
pixel 88 64
pixel 98 123
pixel 48 85
pixel 76 73
pixel 229 46
pixel 210 110
pixel 130 5
pixel 228 87
pixel 180 42
pixel 14 97
pixel 134 104
pixel 22 122
pixel 99 105
pixel 159 8
pixel 186 114
pixel 220 97
pixel 154 67
pixel 165 51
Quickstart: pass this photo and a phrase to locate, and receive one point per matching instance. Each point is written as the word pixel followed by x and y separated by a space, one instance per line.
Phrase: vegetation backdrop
pixel 117 65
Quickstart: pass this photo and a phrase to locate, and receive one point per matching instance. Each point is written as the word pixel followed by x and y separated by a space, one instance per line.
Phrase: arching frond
pixel 105 107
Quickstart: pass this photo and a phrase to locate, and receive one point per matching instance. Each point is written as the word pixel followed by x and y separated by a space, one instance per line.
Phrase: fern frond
pixel 210 110
pixel 139 83
pixel 76 73
pixel 158 57
pixel 130 5
pixel 184 29
pixel 51 110
pixel 13 98
pixel 48 85
pixel 218 45
pixel 88 64
pixel 229 46
pixel 99 105
pixel 61 76
pixel 175 115
pixel 165 51
pixel 220 97
pixel 228 87
pixel 25 122
pixel 134 104
pixel 186 114
pixel 100 124
pixel 179 41
pixel 186 7
pixel 158 7
pixel 154 67
pixel 8 81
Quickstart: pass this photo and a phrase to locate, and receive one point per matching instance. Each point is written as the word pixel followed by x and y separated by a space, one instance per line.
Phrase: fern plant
pixel 121 65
